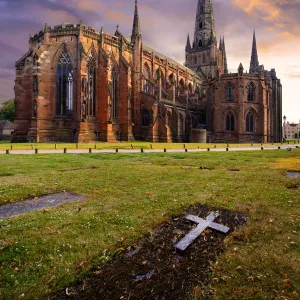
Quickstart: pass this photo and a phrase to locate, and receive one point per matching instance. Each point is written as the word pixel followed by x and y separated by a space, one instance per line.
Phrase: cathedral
pixel 77 84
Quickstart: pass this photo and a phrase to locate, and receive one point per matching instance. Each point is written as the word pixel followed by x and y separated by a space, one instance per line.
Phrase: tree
pixel 7 111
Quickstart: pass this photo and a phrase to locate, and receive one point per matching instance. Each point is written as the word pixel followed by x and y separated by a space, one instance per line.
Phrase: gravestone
pixel 203 224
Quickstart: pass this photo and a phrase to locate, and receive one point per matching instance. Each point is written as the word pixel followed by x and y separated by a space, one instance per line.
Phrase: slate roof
pixel 164 57
pixel 5 124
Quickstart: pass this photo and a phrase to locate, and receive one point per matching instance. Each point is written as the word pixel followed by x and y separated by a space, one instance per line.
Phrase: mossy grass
pixel 130 195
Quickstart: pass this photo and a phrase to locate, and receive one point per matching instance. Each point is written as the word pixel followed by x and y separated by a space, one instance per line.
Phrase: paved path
pixel 85 151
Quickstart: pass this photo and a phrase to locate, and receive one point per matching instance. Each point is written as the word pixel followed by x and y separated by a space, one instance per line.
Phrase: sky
pixel 165 25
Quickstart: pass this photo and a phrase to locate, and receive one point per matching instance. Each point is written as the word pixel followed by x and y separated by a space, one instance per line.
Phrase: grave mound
pixel 153 269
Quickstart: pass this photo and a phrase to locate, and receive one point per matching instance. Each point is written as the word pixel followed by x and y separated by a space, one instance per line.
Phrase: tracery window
pixel 92 88
pixel 229 92
pixel 230 121
pixel 114 94
pixel 249 122
pixel 250 91
pixel 64 85
pixel 147 88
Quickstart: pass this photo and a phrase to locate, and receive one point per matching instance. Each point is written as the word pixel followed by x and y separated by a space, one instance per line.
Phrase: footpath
pixel 141 150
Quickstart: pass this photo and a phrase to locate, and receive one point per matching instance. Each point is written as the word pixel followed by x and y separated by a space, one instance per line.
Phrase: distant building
pixel 6 130
pixel 290 130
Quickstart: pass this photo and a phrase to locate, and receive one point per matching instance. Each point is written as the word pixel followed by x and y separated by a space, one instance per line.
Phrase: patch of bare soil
pixel 152 269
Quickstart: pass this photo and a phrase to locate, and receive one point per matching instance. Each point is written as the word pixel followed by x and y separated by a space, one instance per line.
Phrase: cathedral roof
pixel 164 57
pixel 170 60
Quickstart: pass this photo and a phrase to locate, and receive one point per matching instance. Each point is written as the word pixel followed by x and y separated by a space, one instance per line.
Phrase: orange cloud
pixel 117 17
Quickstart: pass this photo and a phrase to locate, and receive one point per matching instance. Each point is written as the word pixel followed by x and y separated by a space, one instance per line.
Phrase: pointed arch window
pixel 249 122
pixel 146 117
pixel 229 92
pixel 64 85
pixel 230 121
pixel 114 93
pixel 251 92
pixel 147 88
pixel 92 87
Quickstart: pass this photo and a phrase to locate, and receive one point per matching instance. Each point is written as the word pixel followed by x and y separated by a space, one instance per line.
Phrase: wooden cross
pixel 183 244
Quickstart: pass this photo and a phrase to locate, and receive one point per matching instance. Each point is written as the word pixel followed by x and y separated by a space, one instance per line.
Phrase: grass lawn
pixel 130 195
pixel 121 145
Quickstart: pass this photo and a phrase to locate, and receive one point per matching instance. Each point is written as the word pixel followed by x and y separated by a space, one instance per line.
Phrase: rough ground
pixel 152 269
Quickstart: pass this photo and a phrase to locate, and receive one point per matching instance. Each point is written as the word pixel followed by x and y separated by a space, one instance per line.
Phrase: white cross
pixel 183 244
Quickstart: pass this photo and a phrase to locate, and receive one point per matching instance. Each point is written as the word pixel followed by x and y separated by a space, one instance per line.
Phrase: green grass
pixel 120 145
pixel 128 196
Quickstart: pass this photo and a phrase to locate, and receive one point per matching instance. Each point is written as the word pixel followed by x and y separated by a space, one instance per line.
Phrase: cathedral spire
pixel 188 46
pixel 225 57
pixel 205 24
pixel 136 29
pixel 254 64
pixel 220 44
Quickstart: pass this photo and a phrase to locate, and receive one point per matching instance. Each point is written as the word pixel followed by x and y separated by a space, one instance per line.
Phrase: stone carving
pixel 35 87
pixel 84 86
pixel 83 109
pixel 34 108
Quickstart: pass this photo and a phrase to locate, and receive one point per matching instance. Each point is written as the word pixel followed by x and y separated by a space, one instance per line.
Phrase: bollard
pixel 183 146
pixel 198 147
pixel 10 147
pixel 279 148
pixel 76 146
pixel 131 146
pixel 65 150
pixel 95 146
pixel 227 149
pixel 55 146
pixel 90 150
pixel 151 146
pixel 262 148
pixel 7 151
pixel 31 147
pixel 117 150
pixel 165 150
pixel 186 150
pixel 215 146
pixel 208 149
pixel 142 150
pixel 36 151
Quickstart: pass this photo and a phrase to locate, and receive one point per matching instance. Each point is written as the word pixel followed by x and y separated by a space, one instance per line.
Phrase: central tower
pixel 204 56
pixel 205 33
